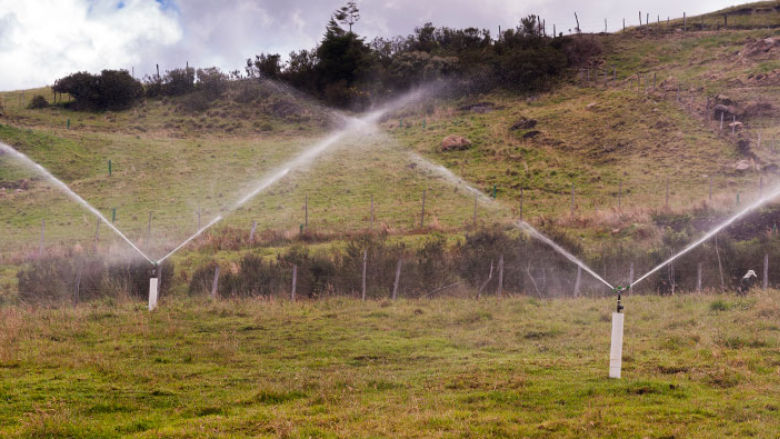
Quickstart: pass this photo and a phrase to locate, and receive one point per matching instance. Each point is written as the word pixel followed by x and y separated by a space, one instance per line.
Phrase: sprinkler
pixel 154 278
pixel 616 345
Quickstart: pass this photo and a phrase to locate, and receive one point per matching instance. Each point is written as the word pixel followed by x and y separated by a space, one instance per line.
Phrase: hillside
pixel 649 124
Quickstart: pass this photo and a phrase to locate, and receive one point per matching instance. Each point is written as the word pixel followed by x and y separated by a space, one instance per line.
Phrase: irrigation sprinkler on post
pixel 616 344
pixel 154 283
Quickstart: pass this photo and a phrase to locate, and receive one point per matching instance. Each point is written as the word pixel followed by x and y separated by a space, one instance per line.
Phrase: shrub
pixel 38 101
pixel 111 90
pixel 212 82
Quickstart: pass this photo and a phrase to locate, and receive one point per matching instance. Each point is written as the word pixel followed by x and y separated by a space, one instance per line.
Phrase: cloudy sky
pixel 41 40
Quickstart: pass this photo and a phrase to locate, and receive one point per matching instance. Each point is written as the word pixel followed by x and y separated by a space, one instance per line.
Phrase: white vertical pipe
pixel 152 293
pixel 616 347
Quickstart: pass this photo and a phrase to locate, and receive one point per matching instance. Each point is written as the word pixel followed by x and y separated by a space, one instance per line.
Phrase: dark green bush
pixel 38 101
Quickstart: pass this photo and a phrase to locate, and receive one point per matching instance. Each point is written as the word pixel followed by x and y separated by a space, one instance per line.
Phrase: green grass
pixel 441 368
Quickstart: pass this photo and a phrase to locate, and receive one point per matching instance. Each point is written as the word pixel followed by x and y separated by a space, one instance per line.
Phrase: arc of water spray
pixel 70 193
pixel 304 158
pixel 455 180
pixel 758 203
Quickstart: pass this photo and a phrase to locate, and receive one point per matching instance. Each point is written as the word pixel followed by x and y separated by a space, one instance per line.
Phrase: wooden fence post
pixel 371 213
pixel 306 212
pixel 397 278
pixel 624 25
pixel 484 284
pixel 294 282
pixel 765 284
pixel 685 22
pixel 252 232
pixel 97 234
pixel 577 282
pixel 422 210
pixel 476 199
pixel 522 196
pixel 631 273
pixel 572 199
pixel 578 22
pixel 698 277
pixel 365 264
pixel 710 189
pixel 620 194
pixel 500 289
pixel 43 233
pixel 721 120
pixel 199 218
pixel 215 283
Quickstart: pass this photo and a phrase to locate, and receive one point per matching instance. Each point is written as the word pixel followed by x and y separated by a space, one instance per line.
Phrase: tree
pixel 348 14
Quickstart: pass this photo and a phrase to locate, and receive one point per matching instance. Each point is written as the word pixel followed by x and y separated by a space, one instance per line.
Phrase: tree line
pixel 346 70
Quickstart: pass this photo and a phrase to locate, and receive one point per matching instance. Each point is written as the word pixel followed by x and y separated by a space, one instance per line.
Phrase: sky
pixel 42 40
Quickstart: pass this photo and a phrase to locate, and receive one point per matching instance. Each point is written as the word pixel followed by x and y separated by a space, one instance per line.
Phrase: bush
pixel 212 82
pixel 111 90
pixel 38 101
pixel 54 280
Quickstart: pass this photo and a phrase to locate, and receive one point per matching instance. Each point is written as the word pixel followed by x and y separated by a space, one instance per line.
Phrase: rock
pixel 728 111
pixel 531 134
pixel 757 108
pixel 742 165
pixel 523 124
pixel 590 106
pixel 759 48
pixel 455 143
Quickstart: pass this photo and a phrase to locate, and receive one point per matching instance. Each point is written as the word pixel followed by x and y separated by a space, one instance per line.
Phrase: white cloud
pixel 42 40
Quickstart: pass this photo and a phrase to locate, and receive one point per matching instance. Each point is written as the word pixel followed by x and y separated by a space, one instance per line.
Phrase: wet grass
pixel 440 368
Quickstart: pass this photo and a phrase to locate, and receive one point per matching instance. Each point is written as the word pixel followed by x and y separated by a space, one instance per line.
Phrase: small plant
pixel 719 305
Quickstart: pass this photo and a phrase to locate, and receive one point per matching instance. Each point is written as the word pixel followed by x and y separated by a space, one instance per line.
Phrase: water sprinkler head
pixel 620 290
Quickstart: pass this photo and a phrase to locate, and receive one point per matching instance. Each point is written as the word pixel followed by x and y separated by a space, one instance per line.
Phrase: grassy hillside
pixel 694 366
pixel 623 138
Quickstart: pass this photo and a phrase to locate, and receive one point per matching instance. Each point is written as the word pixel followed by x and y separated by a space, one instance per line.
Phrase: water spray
pixel 71 194
pixel 758 203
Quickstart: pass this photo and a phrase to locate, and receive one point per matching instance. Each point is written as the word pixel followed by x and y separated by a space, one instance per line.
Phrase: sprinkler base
pixel 153 283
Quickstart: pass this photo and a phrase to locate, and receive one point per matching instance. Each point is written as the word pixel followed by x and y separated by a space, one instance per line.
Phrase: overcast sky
pixel 42 40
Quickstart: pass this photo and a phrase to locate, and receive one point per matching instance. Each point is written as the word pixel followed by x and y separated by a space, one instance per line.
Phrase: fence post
pixel 620 194
pixel 43 233
pixel 631 273
pixel 215 283
pixel 577 282
pixel 476 199
pixel 252 232
pixel 294 282
pixel 371 213
pixel 721 120
pixel 422 210
pixel 685 22
pixel 765 284
pixel 698 277
pixel 572 199
pixel 97 234
pixel 522 196
pixel 624 25
pixel 500 289
pixel 198 217
pixel 365 263
pixel 710 189
pixel 397 278
pixel 306 212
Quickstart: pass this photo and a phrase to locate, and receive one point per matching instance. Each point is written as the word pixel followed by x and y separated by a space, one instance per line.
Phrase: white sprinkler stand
pixel 616 346
pixel 152 293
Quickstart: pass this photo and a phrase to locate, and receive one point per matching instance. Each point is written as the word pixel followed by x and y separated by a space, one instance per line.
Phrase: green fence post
pixel 113 215
pixel 67 124
pixel 494 191
pixel 109 168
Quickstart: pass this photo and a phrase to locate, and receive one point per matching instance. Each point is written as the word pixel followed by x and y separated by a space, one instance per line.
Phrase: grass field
pixel 694 366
